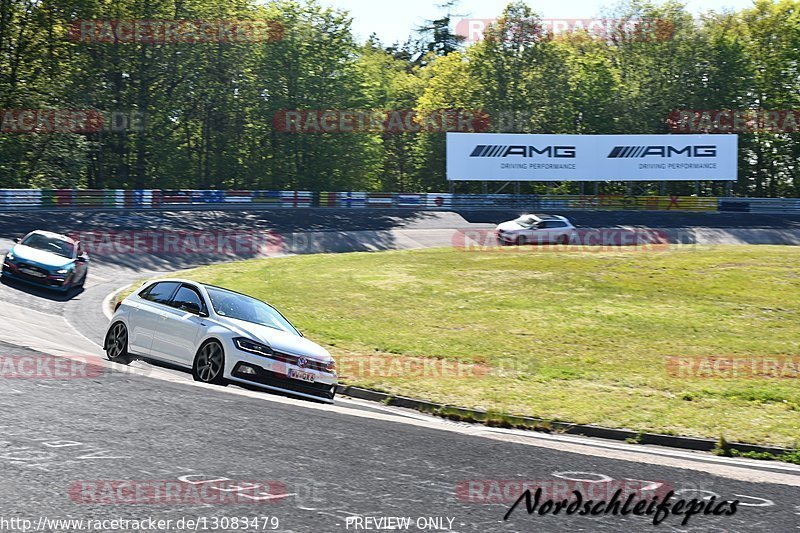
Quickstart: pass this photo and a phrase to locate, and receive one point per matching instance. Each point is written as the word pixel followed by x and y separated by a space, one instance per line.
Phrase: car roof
pixel 53 235
pixel 542 216
pixel 208 286
pixel 198 283
pixel 172 280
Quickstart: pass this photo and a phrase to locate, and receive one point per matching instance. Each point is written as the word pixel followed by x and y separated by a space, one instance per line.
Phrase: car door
pixel 180 326
pixel 538 233
pixel 527 232
pixel 558 231
pixel 146 315
pixel 548 231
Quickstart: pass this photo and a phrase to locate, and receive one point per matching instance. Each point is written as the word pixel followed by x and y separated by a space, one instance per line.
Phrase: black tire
pixel 83 281
pixel 116 344
pixel 563 239
pixel 209 364
pixel 521 240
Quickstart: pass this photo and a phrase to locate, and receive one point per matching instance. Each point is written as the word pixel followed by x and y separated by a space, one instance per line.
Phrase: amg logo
pixel 492 150
pixel 662 151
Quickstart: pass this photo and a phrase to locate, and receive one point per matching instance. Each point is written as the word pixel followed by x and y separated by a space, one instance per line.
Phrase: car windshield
pixel 50 244
pixel 232 305
pixel 526 222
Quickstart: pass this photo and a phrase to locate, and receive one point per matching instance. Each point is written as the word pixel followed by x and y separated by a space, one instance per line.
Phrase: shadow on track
pixel 41 292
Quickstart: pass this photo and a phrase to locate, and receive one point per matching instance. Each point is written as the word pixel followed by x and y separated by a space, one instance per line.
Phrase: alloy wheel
pixel 209 364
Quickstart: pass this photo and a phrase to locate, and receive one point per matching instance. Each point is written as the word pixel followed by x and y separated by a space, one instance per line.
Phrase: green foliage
pixel 209 108
pixel 723 448
pixel 788 457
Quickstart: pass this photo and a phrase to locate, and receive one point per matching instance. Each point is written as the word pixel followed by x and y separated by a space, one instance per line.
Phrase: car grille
pixel 292 360
pixel 44 280
pixel 280 381
pixel 44 273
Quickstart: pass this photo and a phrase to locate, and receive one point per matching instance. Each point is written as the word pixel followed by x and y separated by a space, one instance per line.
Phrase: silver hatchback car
pixel 536 229
pixel 221 336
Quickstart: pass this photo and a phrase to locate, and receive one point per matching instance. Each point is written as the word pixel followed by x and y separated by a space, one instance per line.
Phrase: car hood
pixel 510 226
pixel 278 340
pixel 41 257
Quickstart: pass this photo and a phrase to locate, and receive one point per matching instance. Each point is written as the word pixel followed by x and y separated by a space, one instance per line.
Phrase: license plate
pixel 31 272
pixel 302 376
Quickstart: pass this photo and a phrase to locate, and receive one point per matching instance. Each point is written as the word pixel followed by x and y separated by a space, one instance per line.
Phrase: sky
pixel 394 20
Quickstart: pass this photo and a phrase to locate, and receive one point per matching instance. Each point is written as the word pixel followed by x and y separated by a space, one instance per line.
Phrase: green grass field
pixel 574 337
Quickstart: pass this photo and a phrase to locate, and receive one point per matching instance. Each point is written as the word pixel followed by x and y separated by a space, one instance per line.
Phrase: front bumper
pixel 506 238
pixel 50 281
pixel 323 388
pixel 272 373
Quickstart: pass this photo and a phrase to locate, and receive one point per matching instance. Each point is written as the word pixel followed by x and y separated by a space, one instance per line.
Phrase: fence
pixel 56 199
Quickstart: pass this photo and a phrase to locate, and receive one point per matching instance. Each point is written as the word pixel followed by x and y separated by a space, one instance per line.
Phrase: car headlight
pixel 63 271
pixel 246 345
pixel 10 256
pixel 330 368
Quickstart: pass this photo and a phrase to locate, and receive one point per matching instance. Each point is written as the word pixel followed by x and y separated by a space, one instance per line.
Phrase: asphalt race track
pixel 68 445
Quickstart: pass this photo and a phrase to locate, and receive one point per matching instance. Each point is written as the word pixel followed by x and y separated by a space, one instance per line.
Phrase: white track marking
pixel 107 302
pixel 658 450
pixel 41 332
pixel 740 471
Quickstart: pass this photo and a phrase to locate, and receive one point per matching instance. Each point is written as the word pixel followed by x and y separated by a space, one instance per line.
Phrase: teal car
pixel 48 260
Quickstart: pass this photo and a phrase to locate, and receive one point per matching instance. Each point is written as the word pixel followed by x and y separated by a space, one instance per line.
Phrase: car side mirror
pixel 83 258
pixel 190 307
pixel 17 239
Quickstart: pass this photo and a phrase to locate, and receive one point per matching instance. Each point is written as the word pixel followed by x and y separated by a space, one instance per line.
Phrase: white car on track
pixel 536 229
pixel 222 336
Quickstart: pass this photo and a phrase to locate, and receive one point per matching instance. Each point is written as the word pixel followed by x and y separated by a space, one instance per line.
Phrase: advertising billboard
pixel 535 157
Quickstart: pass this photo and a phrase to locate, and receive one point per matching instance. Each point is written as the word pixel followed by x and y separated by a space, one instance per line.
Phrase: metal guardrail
pixel 57 199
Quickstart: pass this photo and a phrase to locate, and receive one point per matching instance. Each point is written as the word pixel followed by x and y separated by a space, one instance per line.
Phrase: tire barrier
pixel 55 199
